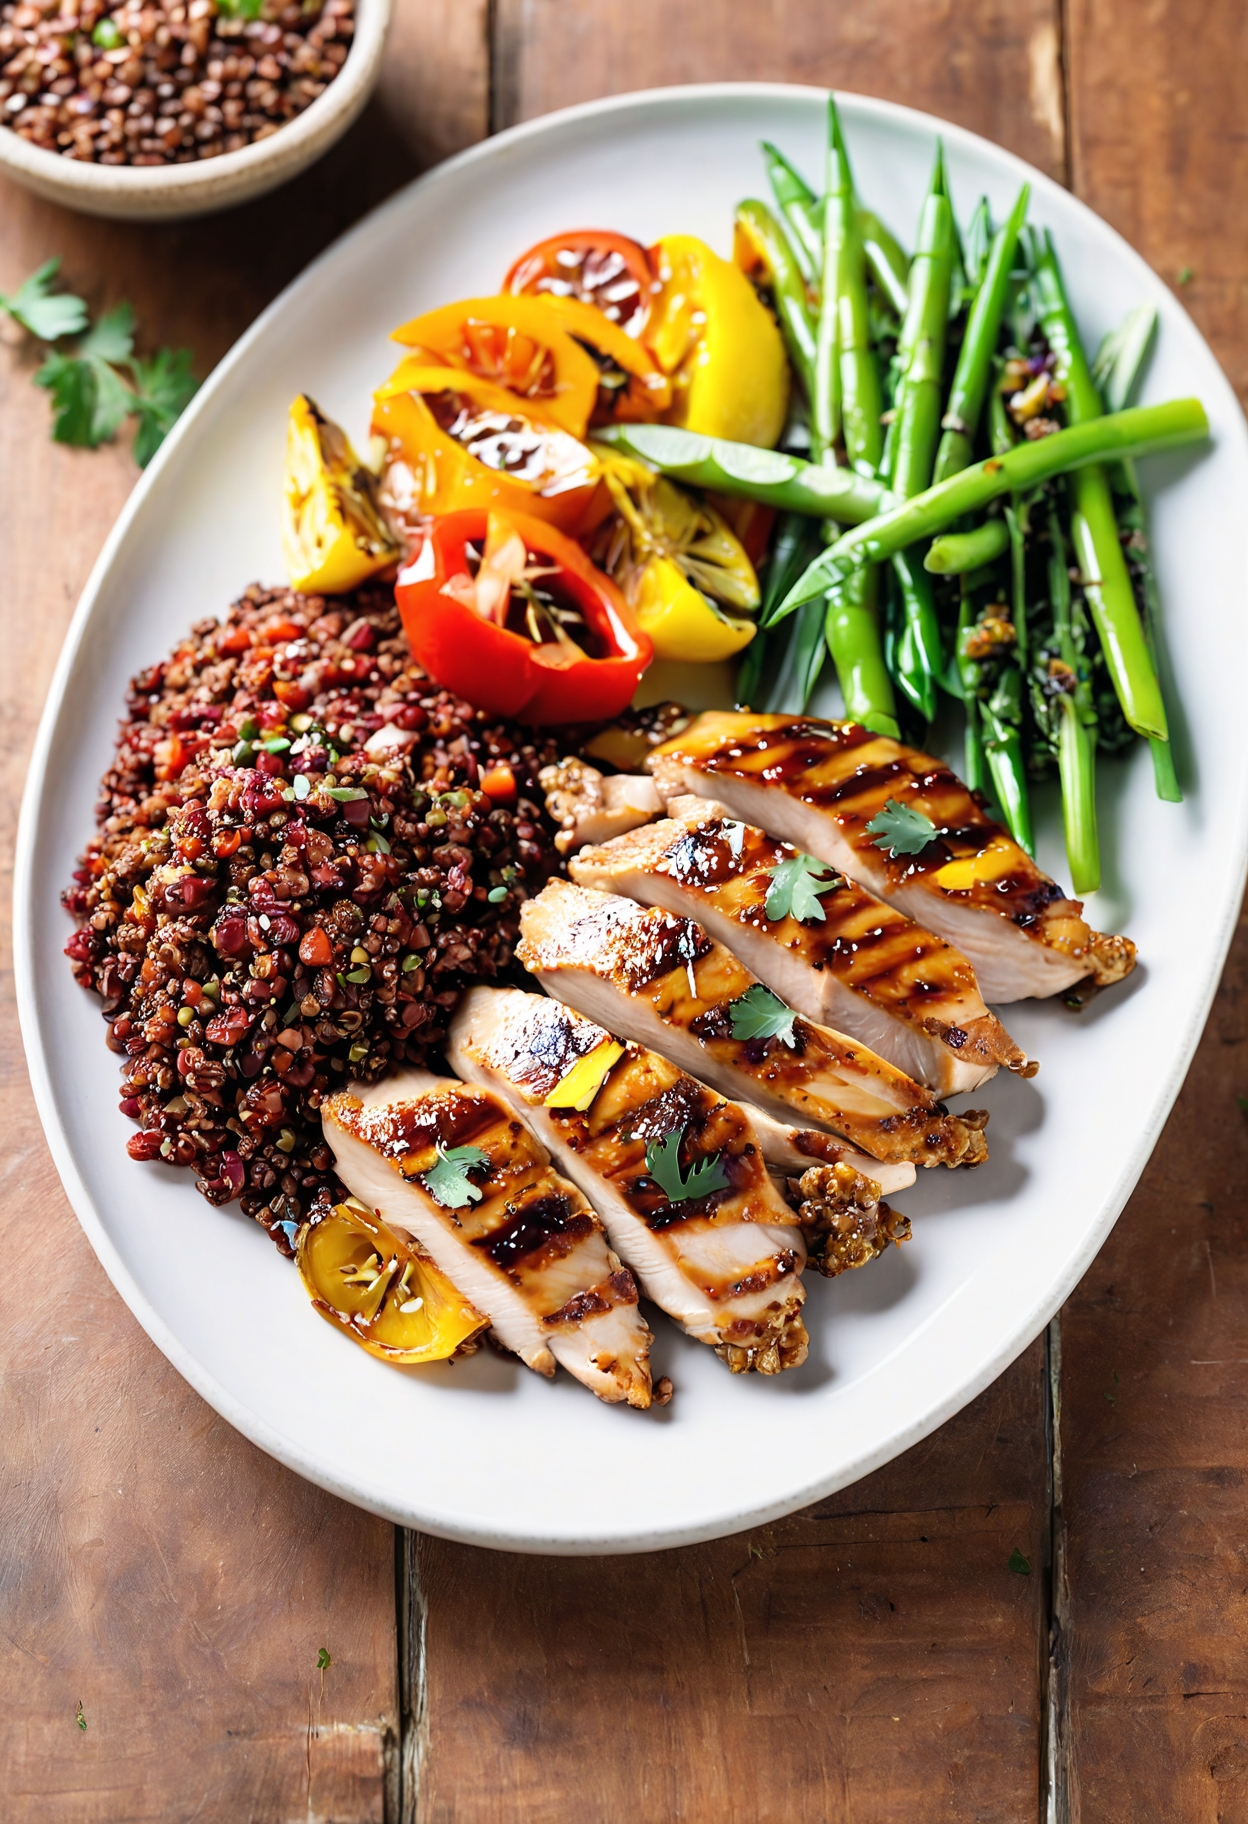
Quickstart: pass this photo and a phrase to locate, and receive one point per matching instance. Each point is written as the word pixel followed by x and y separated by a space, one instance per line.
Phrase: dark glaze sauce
pixel 878 951
pixel 523 1231
pixel 788 755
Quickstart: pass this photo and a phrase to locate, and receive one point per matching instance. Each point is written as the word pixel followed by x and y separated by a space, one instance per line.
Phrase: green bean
pixel 954 553
pixel 750 473
pixel 1076 742
pixel 975 250
pixel 1094 527
pixel 921 343
pixel 970 380
pixel 799 206
pixel 1016 525
pixel 1003 747
pixel 802 662
pixel 920 658
pixel 973 769
pixel 1116 371
pixel 771 249
pixel 886 260
pixel 845 286
pixel 796 540
pixel 852 632
pixel 1135 432
pixel 803 216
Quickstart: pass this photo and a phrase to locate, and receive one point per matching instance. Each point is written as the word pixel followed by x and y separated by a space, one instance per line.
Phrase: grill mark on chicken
pixel 901 988
pixel 726 1266
pixel 845 775
pixel 526 1248
pixel 572 937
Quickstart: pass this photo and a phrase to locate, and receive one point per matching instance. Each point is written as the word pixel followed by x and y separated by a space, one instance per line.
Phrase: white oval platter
pixel 484 1451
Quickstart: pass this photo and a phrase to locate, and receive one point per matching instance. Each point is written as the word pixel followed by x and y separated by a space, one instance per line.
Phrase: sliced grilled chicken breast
pixel 723 1264
pixel 660 980
pixel 849 961
pixel 819 784
pixel 523 1244
pixel 795 1149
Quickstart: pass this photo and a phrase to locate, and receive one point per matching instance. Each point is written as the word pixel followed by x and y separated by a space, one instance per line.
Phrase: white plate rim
pixel 220 1398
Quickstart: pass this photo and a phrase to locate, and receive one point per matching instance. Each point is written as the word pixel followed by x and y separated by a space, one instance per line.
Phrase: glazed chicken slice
pixel 790 1150
pixel 658 979
pixel 819 784
pixel 515 1237
pixel 827 946
pixel 724 1262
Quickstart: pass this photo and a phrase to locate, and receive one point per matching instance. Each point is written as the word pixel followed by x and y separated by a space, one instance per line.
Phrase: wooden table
pixel 874 1658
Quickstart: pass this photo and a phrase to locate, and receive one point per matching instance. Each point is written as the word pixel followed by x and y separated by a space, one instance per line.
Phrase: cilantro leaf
pixel 760 1014
pixel 448 1182
pixel 40 312
pixel 663 1165
pixel 164 387
pixel 796 886
pixel 89 398
pixel 1019 1564
pixel 901 829
pixel 324 1659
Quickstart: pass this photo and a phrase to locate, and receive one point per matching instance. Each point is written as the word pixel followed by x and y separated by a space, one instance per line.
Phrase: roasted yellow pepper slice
pixel 382 1291
pixel 719 344
pixel 333 533
pixel 469 443
pixel 679 564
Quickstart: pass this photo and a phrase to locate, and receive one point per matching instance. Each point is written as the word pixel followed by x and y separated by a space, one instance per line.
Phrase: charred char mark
pixel 396 1130
pixel 780 1266
pixel 548 1219
pixel 620 1289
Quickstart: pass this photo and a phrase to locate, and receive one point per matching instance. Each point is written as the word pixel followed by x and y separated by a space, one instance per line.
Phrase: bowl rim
pixel 89 180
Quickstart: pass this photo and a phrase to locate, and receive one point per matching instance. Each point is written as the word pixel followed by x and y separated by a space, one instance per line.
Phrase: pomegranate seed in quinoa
pixel 156 84
pixel 295 876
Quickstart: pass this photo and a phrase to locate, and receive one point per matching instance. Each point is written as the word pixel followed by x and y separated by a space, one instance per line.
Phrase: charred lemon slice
pixel 333 532
pixel 384 1292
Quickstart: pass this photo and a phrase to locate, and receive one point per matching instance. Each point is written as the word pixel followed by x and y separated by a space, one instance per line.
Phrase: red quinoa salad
pixel 305 851
pixel 155 84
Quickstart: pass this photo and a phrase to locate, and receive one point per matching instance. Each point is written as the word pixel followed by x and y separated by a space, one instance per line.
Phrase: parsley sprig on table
pixel 99 382
pixel 663 1165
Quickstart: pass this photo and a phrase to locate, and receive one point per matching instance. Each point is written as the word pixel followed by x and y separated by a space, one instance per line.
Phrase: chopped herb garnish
pixel 663 1165
pixel 277 745
pixel 760 1014
pixel 163 388
pixel 302 786
pixel 496 895
pixel 1020 1564
pixel 448 1182
pixel 345 794
pixel 796 886
pixel 410 963
pixel 901 829
pixel 377 844
pixel 79 1718
pixel 323 1660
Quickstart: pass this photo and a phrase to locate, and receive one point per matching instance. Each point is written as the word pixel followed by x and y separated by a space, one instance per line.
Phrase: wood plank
pixel 871 1657
pixel 1155 1463
pixel 1158 147
pixel 1154 1397
pixel 992 65
pixel 154 1567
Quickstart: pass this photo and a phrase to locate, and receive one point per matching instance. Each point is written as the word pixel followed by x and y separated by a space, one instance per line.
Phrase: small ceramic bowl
pixel 156 193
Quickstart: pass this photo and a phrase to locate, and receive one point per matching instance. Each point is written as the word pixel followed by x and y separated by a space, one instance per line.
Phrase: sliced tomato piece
pixel 594 266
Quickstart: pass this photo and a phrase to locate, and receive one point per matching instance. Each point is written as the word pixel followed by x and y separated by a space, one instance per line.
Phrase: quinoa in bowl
pixel 305 853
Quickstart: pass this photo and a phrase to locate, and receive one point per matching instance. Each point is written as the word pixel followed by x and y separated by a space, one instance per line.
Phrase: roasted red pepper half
pixel 506 611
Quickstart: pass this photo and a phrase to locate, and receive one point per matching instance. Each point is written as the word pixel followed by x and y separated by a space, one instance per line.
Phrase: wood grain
pixel 154 1567
pixel 1155 1465
pixel 873 1657
pixel 992 65
pixel 1158 147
